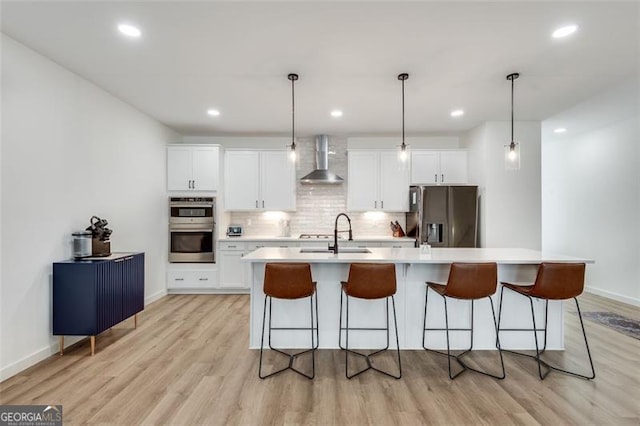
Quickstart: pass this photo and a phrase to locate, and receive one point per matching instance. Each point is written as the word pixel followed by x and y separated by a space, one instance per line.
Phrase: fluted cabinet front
pixel 93 295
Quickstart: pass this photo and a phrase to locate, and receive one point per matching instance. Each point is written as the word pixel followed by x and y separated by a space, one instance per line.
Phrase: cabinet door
pixel 178 168
pixel 133 285
pixel 394 183
pixel 425 167
pixel 205 168
pixel 241 180
pixel 453 166
pixel 362 191
pixel 277 181
pixel 232 270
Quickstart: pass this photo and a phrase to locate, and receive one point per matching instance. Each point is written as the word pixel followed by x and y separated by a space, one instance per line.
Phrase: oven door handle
pixel 190 229
pixel 194 206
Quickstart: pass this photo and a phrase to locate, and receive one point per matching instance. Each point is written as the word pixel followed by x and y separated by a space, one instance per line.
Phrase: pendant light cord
pixel 403 112
pixel 293 78
pixel 512 84
pixel 293 115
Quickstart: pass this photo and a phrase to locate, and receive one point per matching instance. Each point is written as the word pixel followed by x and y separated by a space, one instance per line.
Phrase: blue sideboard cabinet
pixel 90 296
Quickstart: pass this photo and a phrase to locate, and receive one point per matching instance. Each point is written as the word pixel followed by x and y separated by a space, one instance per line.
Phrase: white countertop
pixel 413 255
pixel 374 238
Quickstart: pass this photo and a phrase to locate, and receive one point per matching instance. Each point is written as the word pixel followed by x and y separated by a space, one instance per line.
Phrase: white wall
pixel 69 151
pixel 510 203
pixel 591 189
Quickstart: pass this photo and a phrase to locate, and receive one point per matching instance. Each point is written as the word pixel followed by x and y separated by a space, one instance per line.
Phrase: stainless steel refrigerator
pixel 443 216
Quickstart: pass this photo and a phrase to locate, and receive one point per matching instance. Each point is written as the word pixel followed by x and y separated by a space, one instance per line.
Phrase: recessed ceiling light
pixel 457 113
pixel 336 113
pixel 564 31
pixel 560 130
pixel 129 30
pixel 213 112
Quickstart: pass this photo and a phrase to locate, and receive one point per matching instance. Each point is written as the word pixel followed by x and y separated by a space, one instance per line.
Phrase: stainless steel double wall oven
pixel 192 229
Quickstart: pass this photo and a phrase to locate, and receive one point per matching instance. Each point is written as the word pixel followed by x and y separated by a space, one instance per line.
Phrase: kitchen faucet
pixel 334 247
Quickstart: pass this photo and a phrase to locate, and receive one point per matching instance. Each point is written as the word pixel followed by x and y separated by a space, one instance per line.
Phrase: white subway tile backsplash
pixel 318 205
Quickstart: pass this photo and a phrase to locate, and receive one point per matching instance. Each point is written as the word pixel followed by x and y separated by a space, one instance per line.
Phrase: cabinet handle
pixel 442 177
pixel 263 204
pixel 375 204
pixel 193 183
pixel 128 258
pixel 231 246
pixel 118 260
pixel 256 204
pixel 204 279
pixel 382 204
pixel 435 177
pixel 179 279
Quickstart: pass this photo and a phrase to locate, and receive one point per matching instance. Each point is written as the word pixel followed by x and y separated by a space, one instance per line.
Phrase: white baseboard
pixel 46 352
pixel 208 291
pixel 155 296
pixel 611 295
pixel 36 357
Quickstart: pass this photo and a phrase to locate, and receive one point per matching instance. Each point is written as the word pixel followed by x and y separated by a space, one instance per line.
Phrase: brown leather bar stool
pixel 467 281
pixel 554 281
pixel 290 281
pixel 369 281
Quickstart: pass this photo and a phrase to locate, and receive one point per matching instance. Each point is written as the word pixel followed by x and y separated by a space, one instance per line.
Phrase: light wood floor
pixel 188 363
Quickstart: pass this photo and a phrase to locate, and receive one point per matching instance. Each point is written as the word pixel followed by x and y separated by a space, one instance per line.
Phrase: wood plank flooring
pixel 188 363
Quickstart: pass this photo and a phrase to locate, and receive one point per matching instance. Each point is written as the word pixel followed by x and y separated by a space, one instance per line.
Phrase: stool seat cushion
pixel 438 288
pixel 288 280
pixel 371 280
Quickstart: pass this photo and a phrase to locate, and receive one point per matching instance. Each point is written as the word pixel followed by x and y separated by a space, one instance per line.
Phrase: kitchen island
pixel 413 268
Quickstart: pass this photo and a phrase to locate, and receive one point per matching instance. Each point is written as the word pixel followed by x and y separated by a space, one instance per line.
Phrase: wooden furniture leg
pixel 61 345
pixel 93 345
pixel 135 321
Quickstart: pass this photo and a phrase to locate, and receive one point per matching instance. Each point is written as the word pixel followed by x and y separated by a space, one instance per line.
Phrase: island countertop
pixel 413 256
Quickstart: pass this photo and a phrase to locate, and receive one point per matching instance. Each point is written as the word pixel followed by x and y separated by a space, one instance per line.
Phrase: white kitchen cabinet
pixel 233 272
pixel 259 180
pixel 191 280
pixel 192 168
pixel 438 167
pixel 378 181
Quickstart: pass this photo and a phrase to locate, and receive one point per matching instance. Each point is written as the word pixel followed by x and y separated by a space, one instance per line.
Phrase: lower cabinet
pixel 91 296
pixel 191 278
pixel 233 272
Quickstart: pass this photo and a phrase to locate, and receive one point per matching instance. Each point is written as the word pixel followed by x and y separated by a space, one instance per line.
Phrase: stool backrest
pixel 371 280
pixel 288 280
pixel 472 280
pixel 559 281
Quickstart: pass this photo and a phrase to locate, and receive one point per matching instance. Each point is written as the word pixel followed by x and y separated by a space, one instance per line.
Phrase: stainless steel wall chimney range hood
pixel 322 175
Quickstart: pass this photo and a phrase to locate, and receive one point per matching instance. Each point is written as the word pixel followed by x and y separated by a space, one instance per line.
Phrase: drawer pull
pixel 179 279
pixel 204 279
pixel 231 246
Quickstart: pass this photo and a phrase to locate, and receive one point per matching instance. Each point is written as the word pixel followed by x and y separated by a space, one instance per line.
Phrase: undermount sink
pixel 340 250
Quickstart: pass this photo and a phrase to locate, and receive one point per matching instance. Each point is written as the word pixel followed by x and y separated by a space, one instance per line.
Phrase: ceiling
pixel 235 56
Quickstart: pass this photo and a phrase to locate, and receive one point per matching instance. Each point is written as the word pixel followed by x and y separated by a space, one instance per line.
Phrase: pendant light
pixel 403 147
pixel 512 149
pixel 292 147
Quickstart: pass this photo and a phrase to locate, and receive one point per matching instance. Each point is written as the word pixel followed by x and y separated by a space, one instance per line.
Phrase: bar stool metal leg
pixel 368 357
pixel 459 358
pixel 314 340
pixel 543 374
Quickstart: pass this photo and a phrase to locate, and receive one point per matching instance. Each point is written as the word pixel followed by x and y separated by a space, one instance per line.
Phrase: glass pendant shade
pixel 512 156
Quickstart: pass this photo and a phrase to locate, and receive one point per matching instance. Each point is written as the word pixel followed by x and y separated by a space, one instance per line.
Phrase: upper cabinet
pixel 377 181
pixel 438 167
pixel 192 168
pixel 259 180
